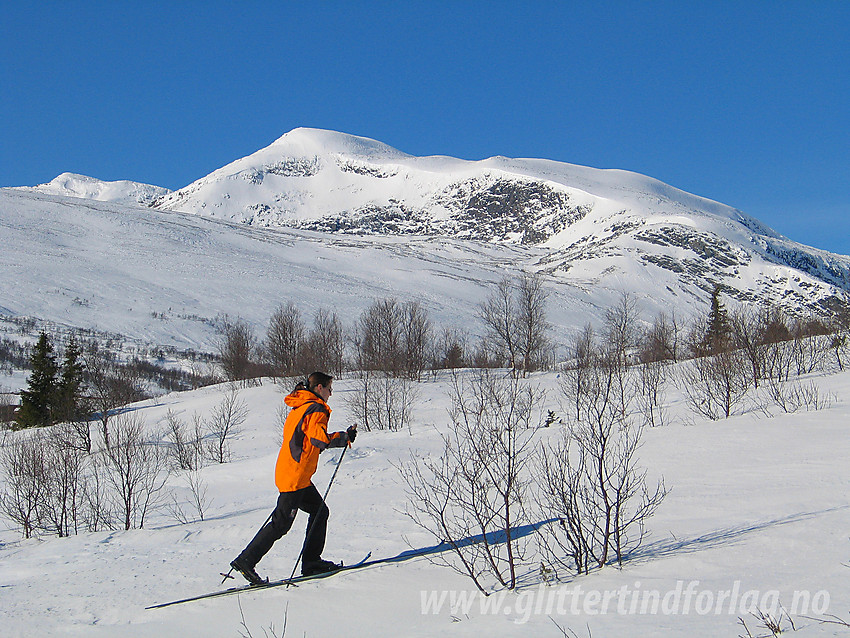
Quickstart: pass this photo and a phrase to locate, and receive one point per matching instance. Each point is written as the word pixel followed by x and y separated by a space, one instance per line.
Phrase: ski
pixel 365 562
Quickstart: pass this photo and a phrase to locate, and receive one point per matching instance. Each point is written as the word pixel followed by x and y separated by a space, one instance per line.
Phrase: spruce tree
pixel 68 392
pixel 718 328
pixel 38 400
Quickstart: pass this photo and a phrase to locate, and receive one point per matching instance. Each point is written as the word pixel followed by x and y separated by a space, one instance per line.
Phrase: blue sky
pixel 747 103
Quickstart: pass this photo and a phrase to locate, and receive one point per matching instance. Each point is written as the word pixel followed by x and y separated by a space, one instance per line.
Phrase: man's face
pixel 325 391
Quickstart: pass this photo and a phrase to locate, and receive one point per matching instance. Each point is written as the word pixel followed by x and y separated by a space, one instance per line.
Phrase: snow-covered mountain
pixel 120 192
pixel 593 224
pixel 334 221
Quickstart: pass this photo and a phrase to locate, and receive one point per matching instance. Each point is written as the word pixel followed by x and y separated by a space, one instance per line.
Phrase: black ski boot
pixel 248 572
pixel 319 566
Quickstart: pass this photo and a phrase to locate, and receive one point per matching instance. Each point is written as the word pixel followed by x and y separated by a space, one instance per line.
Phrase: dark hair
pixel 318 378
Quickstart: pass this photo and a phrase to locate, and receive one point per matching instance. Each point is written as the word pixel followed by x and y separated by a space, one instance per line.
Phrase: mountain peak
pixel 309 142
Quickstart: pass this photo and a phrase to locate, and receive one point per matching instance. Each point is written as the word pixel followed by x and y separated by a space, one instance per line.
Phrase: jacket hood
pixel 299 397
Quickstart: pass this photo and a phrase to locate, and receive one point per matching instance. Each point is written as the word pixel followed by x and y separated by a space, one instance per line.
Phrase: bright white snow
pixel 82 186
pixel 758 511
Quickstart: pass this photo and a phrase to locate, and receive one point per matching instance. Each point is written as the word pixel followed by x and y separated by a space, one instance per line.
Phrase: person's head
pixel 320 383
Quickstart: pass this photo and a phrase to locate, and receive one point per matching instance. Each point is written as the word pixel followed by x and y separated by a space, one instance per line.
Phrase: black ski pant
pixel 306 499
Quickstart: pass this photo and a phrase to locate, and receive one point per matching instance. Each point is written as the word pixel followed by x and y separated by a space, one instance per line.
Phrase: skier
pixel 305 435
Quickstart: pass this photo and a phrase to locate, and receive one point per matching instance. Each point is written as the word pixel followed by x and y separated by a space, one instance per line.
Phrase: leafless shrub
pixel 417 339
pixel 224 424
pixel 830 619
pixel 599 380
pixel 198 498
pixel 271 632
pixel 98 510
pixel 839 344
pixel 185 442
pixel 53 487
pixel 810 347
pixel 793 396
pixel 451 349
pixel 479 484
pixel 325 346
pixel 777 349
pixel 498 314
pixel 591 480
pixel 285 340
pixel 378 337
pixel 620 331
pixel 774 624
pixel 576 379
pixel 136 470
pixel 514 316
pixel 715 385
pixel 22 461
pixel 748 336
pixel 569 633
pixel 7 408
pixel 382 402
pixel 75 435
pixel 650 392
pixel 111 385
pixel 64 478
pixel 393 338
pixel 237 349
pixel 660 341
pixel 531 323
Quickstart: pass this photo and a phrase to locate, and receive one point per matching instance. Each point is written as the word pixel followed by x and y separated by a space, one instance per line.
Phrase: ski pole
pixel 316 517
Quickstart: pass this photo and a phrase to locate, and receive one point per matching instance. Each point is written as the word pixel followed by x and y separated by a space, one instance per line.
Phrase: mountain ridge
pixel 356 219
pixel 85 187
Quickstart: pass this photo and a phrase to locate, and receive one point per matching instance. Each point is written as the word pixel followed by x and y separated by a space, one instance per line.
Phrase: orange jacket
pixel 305 435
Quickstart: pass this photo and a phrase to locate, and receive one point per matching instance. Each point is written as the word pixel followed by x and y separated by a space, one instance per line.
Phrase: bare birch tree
pixel 237 348
pixel 417 339
pixel 592 480
pixel 325 347
pixel 479 485
pixel 383 402
pixel 715 385
pixel 531 324
pixel 498 313
pixel 22 462
pixel 284 340
pixel 224 424
pixel 514 316
pixel 136 469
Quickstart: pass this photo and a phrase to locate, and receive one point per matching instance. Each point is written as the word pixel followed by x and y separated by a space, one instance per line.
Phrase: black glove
pixel 352 433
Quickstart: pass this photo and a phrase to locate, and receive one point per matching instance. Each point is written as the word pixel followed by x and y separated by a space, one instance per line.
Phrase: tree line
pixel 87 380
pixel 393 337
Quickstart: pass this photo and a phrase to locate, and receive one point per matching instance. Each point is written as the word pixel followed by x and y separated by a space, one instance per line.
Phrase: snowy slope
pixel 165 277
pixel 758 506
pixel 120 192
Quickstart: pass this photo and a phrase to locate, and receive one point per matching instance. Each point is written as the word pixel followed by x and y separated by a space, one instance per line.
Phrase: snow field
pixel 758 511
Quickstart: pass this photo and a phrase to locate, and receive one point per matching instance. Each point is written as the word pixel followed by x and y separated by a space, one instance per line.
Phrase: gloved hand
pixel 352 433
